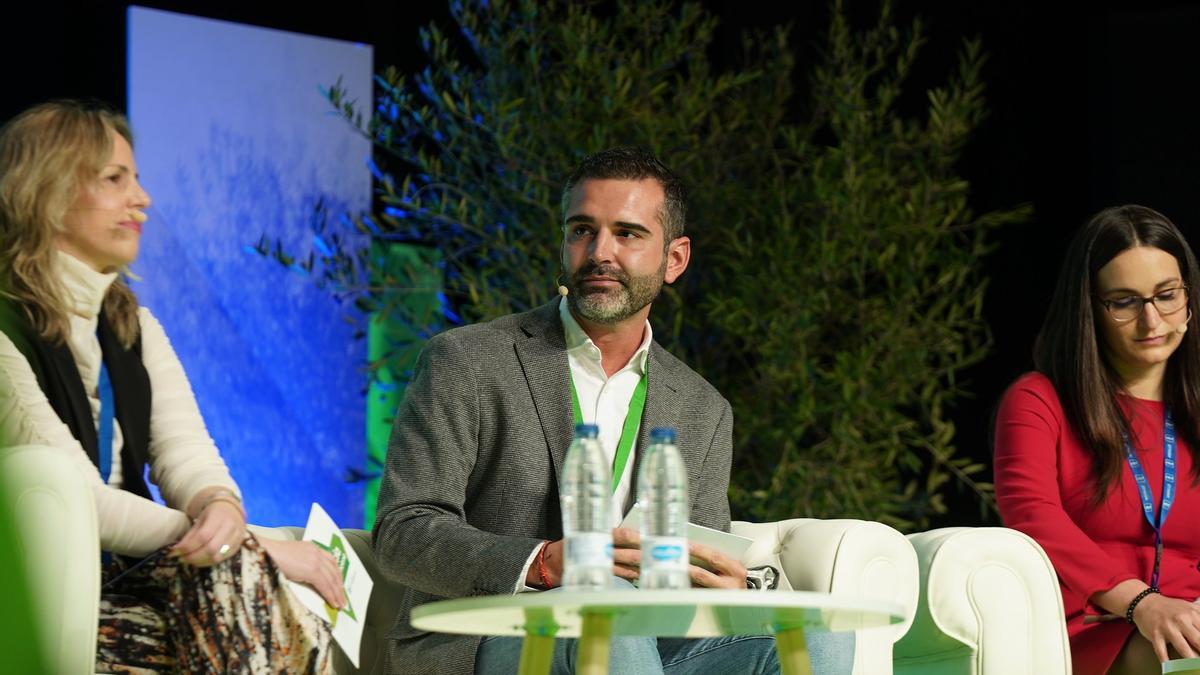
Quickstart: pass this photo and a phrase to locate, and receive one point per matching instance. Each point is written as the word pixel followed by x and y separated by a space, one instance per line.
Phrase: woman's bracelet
pixel 222 496
pixel 1137 599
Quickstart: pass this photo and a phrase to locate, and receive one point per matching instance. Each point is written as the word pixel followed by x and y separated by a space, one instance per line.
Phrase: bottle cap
pixel 586 431
pixel 662 435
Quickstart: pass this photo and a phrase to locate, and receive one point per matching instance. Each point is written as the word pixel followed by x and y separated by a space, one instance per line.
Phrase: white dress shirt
pixel 603 401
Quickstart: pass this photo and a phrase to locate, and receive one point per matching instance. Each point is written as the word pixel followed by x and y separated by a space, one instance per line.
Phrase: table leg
pixel 537 651
pixel 793 652
pixel 594 645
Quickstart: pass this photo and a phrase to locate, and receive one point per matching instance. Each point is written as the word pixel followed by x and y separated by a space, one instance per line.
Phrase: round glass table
pixel 595 616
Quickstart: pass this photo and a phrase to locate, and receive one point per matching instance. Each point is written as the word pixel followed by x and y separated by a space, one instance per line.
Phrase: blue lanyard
pixel 1168 489
pixel 107 410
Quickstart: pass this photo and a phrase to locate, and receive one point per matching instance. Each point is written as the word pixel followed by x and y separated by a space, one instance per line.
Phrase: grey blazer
pixel 470 483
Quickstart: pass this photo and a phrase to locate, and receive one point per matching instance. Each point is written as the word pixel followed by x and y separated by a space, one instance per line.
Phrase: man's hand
pixel 627 553
pixel 709 567
pixel 712 569
pixel 552 558
pixel 626 559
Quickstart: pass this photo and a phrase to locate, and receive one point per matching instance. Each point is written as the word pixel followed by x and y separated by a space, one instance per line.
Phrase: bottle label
pixel 665 553
pixel 587 549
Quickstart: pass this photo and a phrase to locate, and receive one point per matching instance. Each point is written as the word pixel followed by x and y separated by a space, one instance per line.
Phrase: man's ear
pixel 679 252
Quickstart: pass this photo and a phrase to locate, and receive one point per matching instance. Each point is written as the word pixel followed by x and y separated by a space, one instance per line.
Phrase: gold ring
pixel 224 550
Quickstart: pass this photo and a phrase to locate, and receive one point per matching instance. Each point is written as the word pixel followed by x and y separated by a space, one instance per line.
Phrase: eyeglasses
pixel 1169 301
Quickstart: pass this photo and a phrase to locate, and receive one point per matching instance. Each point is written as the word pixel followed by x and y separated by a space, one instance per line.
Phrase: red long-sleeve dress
pixel 1044 487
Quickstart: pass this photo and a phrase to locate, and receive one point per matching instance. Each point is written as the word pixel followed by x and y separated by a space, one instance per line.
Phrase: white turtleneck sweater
pixel 183 458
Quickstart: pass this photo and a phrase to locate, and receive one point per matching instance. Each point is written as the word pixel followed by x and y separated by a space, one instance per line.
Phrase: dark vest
pixel 60 381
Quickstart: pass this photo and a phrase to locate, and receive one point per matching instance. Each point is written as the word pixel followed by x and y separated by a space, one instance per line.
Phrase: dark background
pixel 1091 106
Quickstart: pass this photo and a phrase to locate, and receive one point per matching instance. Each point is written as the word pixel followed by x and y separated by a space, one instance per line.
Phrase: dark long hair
pixel 1069 352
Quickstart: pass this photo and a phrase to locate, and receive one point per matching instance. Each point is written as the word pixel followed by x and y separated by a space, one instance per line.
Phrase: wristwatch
pixel 764 578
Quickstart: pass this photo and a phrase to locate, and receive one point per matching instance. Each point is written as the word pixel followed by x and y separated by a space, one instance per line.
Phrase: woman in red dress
pixel 1114 404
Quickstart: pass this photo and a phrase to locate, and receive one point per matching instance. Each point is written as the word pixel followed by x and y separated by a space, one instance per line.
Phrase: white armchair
pixel 990 605
pixel 57 541
pixel 846 557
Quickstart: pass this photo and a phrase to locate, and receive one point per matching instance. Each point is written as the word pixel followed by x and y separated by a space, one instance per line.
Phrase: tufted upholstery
pixel 990 605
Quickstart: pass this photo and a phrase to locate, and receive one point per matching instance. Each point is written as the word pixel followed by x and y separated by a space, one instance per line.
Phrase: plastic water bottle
pixel 586 498
pixel 663 494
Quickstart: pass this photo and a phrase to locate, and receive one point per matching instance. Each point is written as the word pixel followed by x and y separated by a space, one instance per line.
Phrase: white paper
pixel 346 624
pixel 731 545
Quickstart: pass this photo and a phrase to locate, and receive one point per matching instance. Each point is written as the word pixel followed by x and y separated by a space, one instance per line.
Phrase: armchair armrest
pixel 990 603
pixel 846 557
pixel 58 542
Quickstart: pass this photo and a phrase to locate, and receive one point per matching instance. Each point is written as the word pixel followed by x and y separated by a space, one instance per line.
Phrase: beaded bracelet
pixel 1133 605
pixel 541 566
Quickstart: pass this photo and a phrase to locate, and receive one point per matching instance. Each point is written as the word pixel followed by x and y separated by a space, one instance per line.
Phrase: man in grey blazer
pixel 469 503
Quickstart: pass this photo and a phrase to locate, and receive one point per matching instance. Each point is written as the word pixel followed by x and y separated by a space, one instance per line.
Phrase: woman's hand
pixel 305 562
pixel 1169 622
pixel 216 534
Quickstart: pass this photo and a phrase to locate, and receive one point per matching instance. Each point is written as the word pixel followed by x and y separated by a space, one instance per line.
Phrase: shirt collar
pixel 578 341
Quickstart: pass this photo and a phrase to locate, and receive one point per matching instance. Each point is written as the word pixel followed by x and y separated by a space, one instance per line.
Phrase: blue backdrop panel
pixel 233 141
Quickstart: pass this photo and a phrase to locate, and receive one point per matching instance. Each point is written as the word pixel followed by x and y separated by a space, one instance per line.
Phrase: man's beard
pixel 613 305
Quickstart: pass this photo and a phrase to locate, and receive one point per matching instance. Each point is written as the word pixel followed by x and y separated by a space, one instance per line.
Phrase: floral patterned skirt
pixel 235 617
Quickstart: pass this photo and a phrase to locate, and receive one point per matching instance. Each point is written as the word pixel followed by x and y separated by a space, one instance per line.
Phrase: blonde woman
pixel 86 372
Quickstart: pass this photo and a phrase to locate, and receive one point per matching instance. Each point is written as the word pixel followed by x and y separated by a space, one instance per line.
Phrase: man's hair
pixel 628 162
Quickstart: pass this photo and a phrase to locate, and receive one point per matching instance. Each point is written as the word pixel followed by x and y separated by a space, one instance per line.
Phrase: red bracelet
pixel 541 566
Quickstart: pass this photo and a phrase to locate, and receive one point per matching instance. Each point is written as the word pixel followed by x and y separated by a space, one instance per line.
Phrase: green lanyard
pixel 633 418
